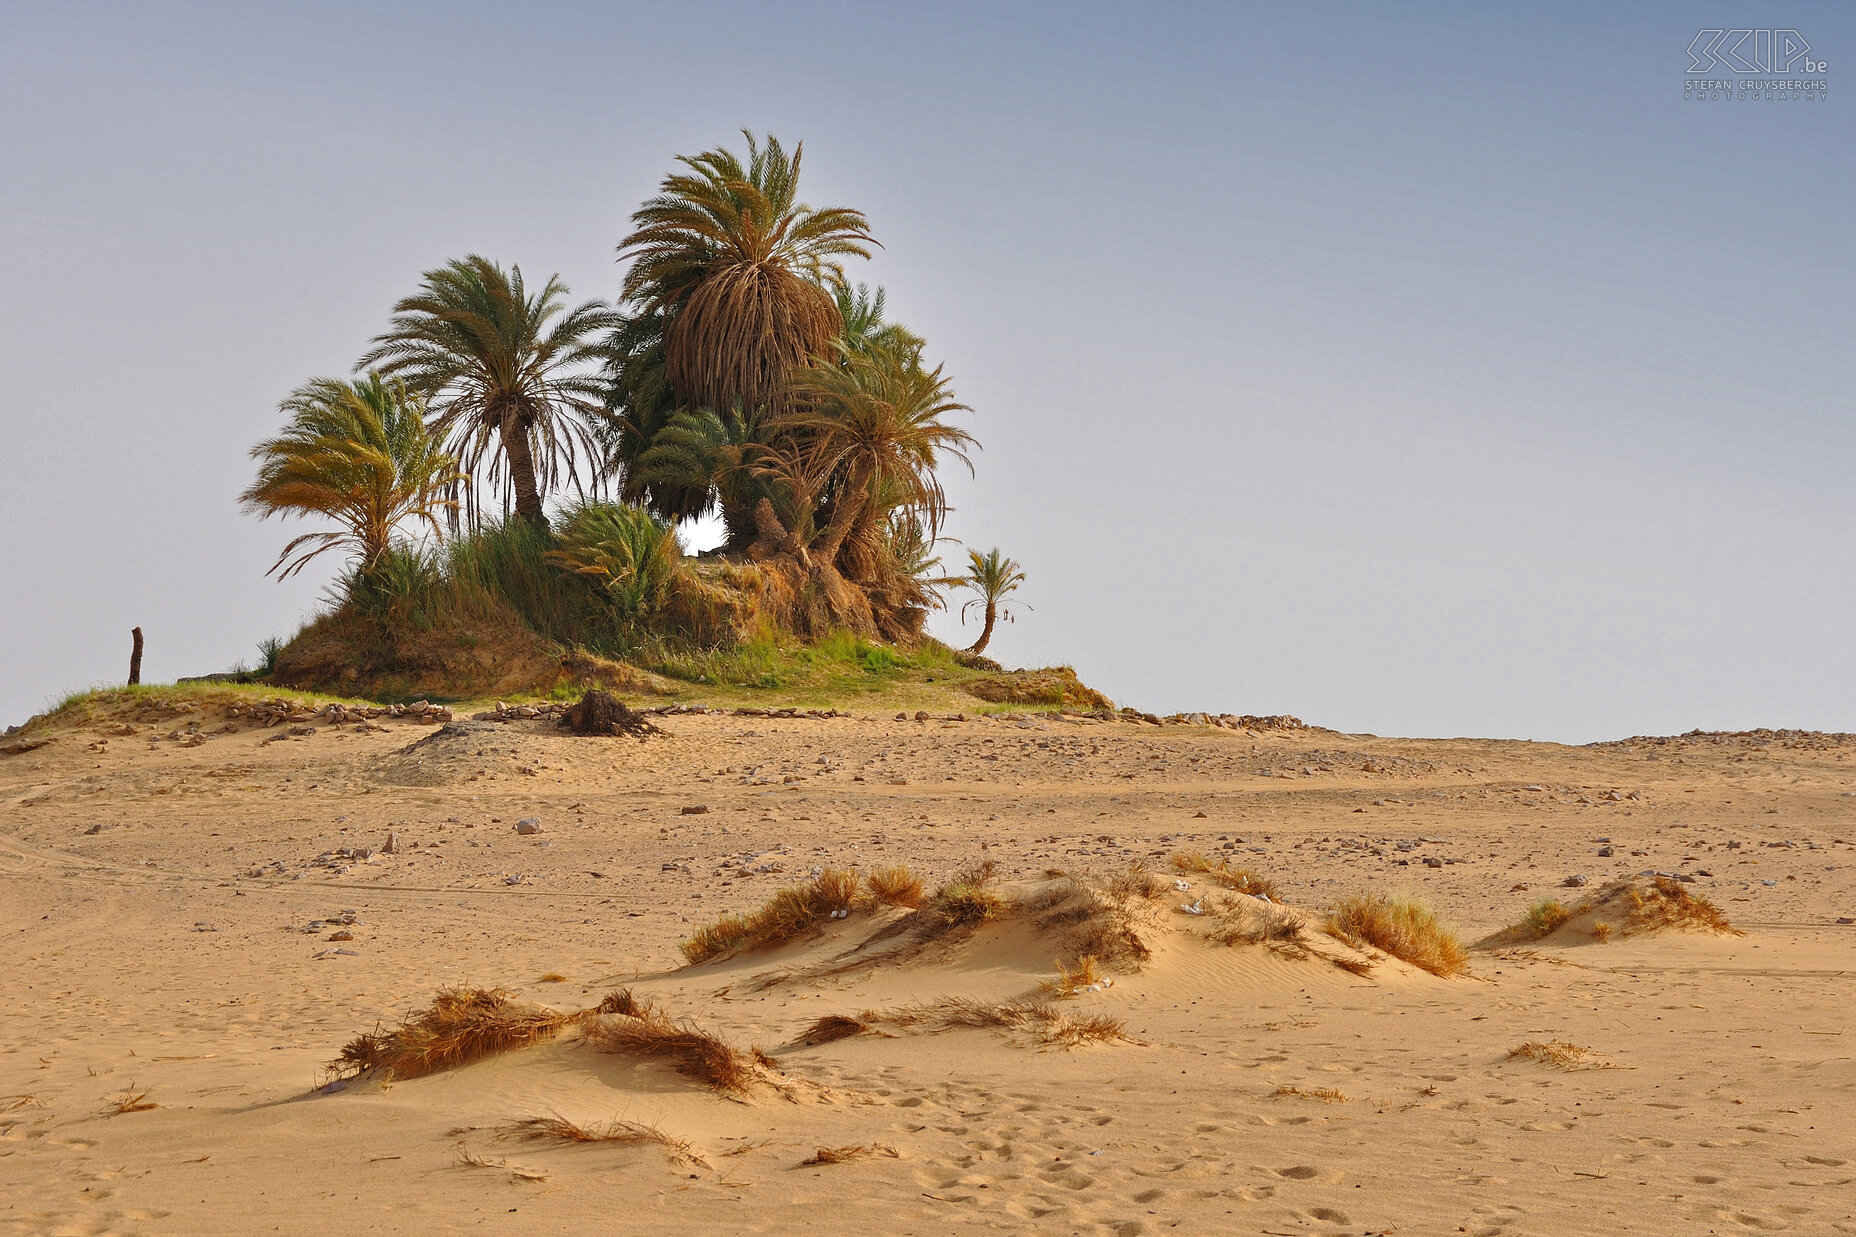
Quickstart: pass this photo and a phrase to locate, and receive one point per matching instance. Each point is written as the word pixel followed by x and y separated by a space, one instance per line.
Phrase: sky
pixel 1426 369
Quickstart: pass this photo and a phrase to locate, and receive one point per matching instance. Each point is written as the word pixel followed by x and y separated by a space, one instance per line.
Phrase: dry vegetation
pixel 686 1048
pixel 1038 1022
pixel 1559 1054
pixel 560 1129
pixel 1238 880
pixel 130 1100
pixel 895 887
pixel 1326 1095
pixel 460 1026
pixel 844 1155
pixel 1543 917
pixel 1628 907
pixel 1402 927
pixel 1084 975
pixel 788 914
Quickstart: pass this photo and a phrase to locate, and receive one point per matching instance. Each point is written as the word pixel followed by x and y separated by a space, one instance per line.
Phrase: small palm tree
pixel 994 577
pixel 500 367
pixel 357 453
pixel 736 267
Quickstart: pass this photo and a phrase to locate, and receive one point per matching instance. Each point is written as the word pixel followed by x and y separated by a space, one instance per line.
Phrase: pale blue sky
pixel 1425 369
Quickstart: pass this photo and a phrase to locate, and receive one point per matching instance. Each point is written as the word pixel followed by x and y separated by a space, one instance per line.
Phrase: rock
pixel 528 826
pixel 341 936
pixel 694 809
pixel 921 715
pixel 1432 861
pixel 392 845
pixel 1605 852
pixel 1574 881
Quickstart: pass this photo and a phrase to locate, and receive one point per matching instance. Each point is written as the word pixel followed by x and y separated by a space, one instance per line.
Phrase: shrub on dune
pixel 1402 927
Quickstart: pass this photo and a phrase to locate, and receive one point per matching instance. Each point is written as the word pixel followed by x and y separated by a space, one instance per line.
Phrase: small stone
pixel 1574 881
pixel 392 845
pixel 921 715
pixel 341 936
pixel 1605 852
pixel 528 826
pixel 694 809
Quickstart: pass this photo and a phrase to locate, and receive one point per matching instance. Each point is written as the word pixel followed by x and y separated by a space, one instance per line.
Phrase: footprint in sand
pixel 1330 1215
pixel 1301 1172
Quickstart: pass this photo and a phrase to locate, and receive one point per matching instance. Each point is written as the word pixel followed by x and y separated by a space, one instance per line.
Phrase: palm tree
pixel 994 577
pixel 861 328
pixel 737 268
pixel 502 369
pixel 879 417
pixel 358 453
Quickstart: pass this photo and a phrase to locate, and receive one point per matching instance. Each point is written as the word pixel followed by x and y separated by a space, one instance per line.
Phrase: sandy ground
pixel 166 916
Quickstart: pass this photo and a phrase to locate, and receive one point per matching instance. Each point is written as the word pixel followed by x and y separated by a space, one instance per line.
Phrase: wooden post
pixel 135 658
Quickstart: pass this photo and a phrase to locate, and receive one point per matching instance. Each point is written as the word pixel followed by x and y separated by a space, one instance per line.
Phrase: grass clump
pixel 1559 1054
pixel 1255 923
pixel 686 1048
pixel 1238 880
pixel 1543 918
pixel 460 1026
pixel 1073 979
pixel 1327 1095
pixel 1402 927
pixel 896 887
pixel 834 1027
pixel 1667 903
pixel 785 916
pixel 967 899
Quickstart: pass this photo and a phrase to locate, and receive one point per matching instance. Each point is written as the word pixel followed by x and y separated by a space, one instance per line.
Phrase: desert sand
pixel 192 933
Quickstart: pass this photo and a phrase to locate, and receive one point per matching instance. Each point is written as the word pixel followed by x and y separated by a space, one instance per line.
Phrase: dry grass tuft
pixel 1601 931
pixel 833 1027
pixel 1071 980
pixel 1543 918
pixel 461 1025
pixel 130 1100
pixel 1402 927
pixel 690 1051
pixel 844 1155
pixel 896 887
pixel 623 1002
pixel 967 898
pixel 1110 918
pixel 786 915
pixel 1239 880
pixel 13 1103
pixel 470 1159
pixel 560 1129
pixel 1666 903
pixel 1041 1022
pixel 1259 923
pixel 552 977
pixel 1327 1095
pixel 1560 1054
pixel 1353 966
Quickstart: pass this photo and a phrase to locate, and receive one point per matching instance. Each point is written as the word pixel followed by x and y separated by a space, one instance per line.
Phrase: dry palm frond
pixel 1327 1095
pixel 461 1025
pixel 689 1050
pixel 1560 1054
pixel 1239 880
pixel 1071 980
pixel 559 1129
pixel 844 1155
pixel 786 915
pixel 895 887
pixel 1401 927
pixel 130 1100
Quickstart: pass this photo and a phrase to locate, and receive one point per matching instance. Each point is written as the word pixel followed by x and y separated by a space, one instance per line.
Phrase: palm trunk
pixel 992 616
pixel 521 463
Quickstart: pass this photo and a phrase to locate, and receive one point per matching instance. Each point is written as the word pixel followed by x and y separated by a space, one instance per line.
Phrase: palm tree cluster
pixel 741 373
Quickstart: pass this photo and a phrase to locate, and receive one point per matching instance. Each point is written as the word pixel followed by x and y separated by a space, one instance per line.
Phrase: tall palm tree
pixel 861 328
pixel 357 453
pixel 994 577
pixel 502 369
pixel 737 269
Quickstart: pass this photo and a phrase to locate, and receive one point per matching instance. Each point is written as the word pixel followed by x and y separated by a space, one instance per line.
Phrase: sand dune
pixel 200 919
